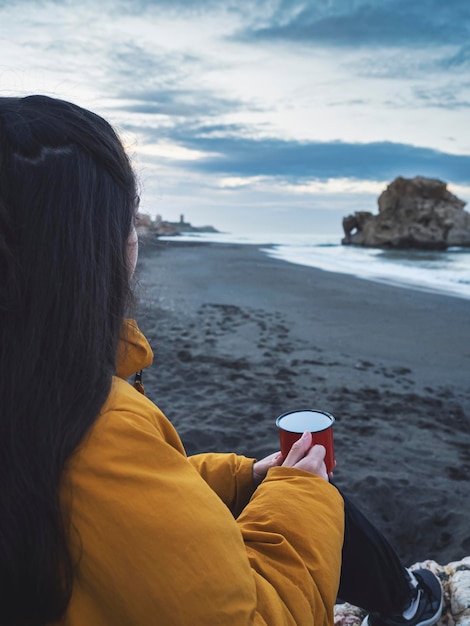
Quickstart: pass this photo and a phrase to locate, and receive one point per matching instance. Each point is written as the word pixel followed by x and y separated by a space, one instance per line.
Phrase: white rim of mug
pixel 296 432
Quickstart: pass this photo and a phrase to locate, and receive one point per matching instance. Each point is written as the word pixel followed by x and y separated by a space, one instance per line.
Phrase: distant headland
pixel 146 226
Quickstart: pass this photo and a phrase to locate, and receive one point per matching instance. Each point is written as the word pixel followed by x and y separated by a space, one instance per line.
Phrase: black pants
pixel 372 575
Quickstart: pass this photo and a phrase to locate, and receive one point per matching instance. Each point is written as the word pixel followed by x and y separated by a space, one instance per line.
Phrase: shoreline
pixel 241 337
pixel 274 249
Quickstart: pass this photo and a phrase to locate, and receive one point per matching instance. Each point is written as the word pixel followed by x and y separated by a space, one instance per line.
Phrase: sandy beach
pixel 240 338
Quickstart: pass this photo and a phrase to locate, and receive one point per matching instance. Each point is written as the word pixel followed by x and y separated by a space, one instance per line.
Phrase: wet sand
pixel 240 338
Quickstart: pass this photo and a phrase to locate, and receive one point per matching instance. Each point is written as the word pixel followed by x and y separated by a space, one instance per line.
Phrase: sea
pixel 446 272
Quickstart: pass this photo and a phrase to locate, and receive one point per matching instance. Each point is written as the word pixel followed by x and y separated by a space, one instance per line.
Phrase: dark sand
pixel 240 338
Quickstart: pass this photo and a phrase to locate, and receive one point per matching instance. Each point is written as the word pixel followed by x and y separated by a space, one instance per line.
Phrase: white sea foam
pixel 446 272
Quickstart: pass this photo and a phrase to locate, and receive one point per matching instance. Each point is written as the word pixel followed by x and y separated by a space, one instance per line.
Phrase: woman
pixel 104 518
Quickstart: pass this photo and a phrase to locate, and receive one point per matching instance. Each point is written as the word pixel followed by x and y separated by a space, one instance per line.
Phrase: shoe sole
pixel 437 615
pixel 428 622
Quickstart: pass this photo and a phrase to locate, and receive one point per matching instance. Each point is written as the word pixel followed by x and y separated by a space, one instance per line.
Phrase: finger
pixel 277 459
pixel 317 451
pixel 272 461
pixel 260 468
pixel 316 455
pixel 314 461
pixel 299 449
pixel 331 474
pixel 274 457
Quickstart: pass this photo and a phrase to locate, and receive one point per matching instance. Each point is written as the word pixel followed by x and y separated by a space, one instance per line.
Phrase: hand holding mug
pixel 319 423
pixel 306 457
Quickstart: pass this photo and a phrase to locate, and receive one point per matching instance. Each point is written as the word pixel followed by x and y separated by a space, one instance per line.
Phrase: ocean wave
pixel 446 272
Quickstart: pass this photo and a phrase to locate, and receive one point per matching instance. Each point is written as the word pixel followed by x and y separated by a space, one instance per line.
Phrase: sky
pixel 267 117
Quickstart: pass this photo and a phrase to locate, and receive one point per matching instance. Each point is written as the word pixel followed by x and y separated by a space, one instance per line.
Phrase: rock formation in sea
pixel 148 227
pixel 413 213
pixel 455 581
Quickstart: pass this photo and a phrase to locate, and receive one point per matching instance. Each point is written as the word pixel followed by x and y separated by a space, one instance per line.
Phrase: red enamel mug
pixel 293 424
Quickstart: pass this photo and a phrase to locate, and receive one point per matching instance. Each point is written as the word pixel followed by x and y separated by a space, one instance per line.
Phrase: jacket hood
pixel 134 351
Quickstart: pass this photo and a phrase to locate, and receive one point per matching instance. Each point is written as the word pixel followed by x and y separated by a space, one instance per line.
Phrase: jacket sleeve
pixel 293 531
pixel 229 475
pixel 156 545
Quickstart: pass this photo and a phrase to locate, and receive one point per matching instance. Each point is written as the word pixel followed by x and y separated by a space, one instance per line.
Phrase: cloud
pixel 374 23
pixel 179 103
pixel 293 161
pixel 458 61
pixel 143 69
pixel 152 80
pixel 450 97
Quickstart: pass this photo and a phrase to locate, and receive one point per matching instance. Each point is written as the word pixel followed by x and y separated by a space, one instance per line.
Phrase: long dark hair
pixel 67 198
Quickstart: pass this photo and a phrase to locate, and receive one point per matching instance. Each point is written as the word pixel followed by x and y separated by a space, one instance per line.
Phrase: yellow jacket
pixel 156 539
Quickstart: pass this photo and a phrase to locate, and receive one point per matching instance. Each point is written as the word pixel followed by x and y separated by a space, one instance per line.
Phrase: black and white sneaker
pixel 428 603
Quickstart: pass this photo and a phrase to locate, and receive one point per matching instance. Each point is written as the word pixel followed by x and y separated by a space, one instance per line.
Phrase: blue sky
pixel 274 116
